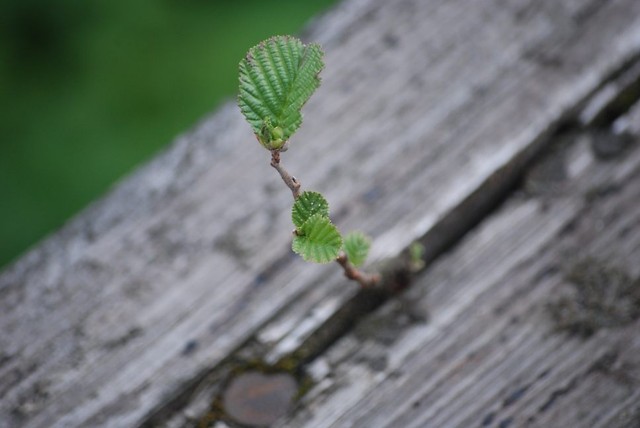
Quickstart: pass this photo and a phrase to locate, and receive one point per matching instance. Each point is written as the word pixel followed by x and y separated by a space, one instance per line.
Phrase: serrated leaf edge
pixel 364 245
pixel 301 204
pixel 258 98
pixel 304 235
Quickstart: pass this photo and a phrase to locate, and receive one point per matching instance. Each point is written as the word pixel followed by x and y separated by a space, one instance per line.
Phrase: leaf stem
pixel 350 271
pixel 288 179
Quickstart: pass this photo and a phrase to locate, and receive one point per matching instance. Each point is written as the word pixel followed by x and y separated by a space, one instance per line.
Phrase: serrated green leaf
pixel 277 77
pixel 318 240
pixel 356 246
pixel 306 205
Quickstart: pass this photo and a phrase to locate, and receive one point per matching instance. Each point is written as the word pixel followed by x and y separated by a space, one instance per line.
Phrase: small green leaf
pixel 416 256
pixel 317 240
pixel 306 205
pixel 277 77
pixel 356 246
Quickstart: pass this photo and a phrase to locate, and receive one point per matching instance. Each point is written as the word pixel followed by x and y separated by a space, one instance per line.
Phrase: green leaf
pixel 317 240
pixel 308 204
pixel 416 256
pixel 356 246
pixel 277 77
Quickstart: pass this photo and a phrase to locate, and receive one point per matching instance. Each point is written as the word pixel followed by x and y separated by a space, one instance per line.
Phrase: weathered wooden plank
pixel 491 353
pixel 169 274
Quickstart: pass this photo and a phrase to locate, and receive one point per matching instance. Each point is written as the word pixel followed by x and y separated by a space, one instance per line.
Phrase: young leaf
pixel 356 246
pixel 277 77
pixel 308 204
pixel 416 256
pixel 317 240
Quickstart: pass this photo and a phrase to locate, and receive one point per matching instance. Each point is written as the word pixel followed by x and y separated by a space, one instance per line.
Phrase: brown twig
pixel 350 271
pixel 288 179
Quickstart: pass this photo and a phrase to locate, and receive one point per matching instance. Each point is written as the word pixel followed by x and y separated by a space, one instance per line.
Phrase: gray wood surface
pixel 423 104
pixel 474 342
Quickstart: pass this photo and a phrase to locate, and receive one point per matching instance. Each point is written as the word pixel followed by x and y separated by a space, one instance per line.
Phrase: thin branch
pixel 288 179
pixel 351 272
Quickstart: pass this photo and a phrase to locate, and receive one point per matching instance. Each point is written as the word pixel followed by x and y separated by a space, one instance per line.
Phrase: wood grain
pixel 422 103
pixel 486 350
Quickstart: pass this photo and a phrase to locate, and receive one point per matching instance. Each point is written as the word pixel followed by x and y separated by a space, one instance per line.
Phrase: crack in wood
pixel 397 276
pixel 482 112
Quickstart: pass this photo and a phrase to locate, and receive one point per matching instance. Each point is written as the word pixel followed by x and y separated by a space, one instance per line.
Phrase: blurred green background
pixel 90 89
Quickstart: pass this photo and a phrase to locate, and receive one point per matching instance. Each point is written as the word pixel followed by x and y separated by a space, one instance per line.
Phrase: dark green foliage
pixel 91 89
